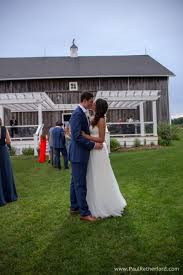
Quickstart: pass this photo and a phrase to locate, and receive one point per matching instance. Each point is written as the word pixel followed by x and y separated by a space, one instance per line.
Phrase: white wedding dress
pixel 103 195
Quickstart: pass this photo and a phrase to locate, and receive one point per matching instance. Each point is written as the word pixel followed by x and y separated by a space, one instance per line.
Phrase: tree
pixel 177 121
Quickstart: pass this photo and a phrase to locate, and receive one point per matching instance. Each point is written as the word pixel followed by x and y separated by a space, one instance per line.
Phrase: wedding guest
pixel 7 184
pixel 13 130
pixel 131 126
pixel 127 127
pixel 119 127
pixel 50 144
pixel 59 146
pixel 42 152
pixel 67 137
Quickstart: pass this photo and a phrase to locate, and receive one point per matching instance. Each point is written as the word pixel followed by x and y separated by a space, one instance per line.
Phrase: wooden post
pixel 154 118
pixel 142 118
pixel 40 119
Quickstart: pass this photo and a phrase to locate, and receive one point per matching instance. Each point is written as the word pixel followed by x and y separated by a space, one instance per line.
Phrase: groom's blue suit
pixel 79 152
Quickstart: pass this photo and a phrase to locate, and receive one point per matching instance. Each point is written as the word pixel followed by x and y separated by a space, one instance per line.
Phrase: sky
pixel 100 27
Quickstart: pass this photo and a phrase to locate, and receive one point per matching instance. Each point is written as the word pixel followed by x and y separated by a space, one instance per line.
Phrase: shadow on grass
pixel 81 247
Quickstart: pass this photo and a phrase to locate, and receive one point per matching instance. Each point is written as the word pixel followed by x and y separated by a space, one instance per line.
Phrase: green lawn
pixel 38 236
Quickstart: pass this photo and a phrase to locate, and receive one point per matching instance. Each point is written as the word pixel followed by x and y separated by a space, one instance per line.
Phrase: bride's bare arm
pixel 8 139
pixel 101 138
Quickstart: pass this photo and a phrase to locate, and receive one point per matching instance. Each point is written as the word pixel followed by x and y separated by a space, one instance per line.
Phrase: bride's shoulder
pixel 101 122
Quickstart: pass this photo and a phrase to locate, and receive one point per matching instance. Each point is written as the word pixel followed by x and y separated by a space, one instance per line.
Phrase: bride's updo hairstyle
pixel 100 110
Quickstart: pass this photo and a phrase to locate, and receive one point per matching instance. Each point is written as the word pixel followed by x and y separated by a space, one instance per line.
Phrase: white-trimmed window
pixel 73 86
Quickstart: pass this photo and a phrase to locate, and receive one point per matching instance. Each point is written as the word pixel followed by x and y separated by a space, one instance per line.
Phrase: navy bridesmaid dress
pixel 7 185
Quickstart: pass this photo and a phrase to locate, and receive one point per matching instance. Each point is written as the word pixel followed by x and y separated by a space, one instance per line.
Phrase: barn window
pixel 73 86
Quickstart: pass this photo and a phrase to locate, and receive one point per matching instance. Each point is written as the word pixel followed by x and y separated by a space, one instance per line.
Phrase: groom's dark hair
pixel 86 95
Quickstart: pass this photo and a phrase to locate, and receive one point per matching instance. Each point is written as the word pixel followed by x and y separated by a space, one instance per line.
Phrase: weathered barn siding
pixel 58 90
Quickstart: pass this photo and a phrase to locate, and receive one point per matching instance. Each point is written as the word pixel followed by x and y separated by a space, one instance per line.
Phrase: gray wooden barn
pixel 44 89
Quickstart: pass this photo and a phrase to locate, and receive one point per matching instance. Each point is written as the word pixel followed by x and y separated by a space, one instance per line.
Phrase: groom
pixel 79 152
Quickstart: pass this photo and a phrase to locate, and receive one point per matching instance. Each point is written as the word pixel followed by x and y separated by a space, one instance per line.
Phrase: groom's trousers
pixel 78 188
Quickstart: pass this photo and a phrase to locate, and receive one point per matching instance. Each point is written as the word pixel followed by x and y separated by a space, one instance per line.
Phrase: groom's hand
pixel 98 146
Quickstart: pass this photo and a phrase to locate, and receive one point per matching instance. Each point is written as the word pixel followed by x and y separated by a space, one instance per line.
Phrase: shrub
pixel 164 134
pixel 12 151
pixel 175 132
pixel 28 151
pixel 136 142
pixel 164 142
pixel 114 144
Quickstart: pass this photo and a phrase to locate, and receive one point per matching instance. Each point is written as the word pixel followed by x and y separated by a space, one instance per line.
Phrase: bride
pixel 103 195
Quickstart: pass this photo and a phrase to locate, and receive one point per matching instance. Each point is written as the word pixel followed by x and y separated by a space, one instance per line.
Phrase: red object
pixel 42 153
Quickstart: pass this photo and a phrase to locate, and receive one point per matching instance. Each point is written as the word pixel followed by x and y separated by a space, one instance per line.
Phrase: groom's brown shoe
pixel 88 218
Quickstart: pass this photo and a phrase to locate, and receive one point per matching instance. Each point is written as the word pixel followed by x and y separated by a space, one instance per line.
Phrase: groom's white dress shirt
pixel 86 113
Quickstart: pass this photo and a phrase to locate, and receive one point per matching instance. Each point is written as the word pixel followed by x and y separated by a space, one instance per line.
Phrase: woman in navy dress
pixel 7 185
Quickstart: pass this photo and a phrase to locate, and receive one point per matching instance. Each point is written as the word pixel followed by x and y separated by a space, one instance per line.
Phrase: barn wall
pixel 58 90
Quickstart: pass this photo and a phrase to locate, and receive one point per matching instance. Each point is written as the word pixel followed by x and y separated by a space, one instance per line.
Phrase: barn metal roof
pixel 80 67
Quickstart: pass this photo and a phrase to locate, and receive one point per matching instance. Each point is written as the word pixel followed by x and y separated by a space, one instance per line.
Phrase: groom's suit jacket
pixel 79 150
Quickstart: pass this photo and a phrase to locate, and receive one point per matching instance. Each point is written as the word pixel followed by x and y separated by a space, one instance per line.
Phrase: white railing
pixel 128 129
pixel 22 132
pixel 26 134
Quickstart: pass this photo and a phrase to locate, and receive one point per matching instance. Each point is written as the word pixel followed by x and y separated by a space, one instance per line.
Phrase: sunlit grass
pixel 37 234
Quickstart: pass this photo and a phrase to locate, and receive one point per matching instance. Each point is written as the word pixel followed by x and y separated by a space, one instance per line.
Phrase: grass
pixel 38 236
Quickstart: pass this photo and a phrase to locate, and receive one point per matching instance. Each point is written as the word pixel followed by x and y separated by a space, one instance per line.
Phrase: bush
pixel 136 142
pixel 28 151
pixel 164 134
pixel 12 151
pixel 164 142
pixel 175 132
pixel 114 144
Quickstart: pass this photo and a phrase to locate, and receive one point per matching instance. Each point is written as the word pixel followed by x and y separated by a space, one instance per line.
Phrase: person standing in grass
pixel 67 137
pixel 100 175
pixel 79 152
pixel 42 152
pixel 7 185
pixel 50 145
pixel 59 146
